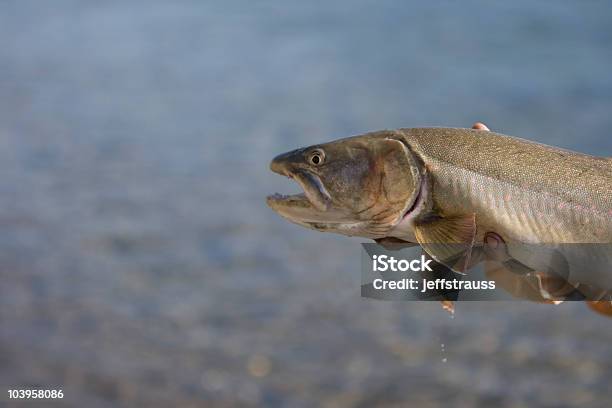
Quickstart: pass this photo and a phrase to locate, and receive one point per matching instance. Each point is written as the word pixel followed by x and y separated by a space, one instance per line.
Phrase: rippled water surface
pixel 139 264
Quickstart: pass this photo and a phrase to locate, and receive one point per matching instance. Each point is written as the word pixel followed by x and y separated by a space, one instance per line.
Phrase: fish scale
pixel 548 185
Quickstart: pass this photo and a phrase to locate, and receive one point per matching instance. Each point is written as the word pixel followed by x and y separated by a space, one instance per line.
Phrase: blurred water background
pixel 139 264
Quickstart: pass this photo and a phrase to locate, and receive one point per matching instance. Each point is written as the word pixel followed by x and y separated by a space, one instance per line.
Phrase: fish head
pixel 359 186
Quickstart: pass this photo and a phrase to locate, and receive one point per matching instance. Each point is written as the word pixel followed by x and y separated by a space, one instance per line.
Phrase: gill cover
pixel 392 186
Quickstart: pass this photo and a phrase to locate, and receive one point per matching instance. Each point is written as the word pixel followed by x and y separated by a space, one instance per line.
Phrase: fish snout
pixel 281 164
pixel 286 164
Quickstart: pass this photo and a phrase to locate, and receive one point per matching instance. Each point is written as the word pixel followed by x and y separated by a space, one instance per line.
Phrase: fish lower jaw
pixel 278 200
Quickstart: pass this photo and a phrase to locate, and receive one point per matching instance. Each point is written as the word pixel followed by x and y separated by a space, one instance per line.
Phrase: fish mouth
pixel 314 193
pixel 313 205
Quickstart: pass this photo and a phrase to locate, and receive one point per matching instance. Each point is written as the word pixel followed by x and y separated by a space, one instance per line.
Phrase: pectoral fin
pixel 448 240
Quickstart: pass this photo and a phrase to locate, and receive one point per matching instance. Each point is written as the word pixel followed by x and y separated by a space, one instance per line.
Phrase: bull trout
pixel 449 188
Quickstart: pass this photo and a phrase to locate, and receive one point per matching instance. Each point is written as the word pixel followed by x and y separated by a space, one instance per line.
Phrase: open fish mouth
pixel 277 200
pixel 312 206
pixel 314 193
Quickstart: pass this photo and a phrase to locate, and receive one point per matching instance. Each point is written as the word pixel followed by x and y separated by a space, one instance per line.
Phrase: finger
pixel 480 126
pixel 495 247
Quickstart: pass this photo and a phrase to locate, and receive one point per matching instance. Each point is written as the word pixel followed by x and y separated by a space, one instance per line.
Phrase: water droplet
pixel 444 360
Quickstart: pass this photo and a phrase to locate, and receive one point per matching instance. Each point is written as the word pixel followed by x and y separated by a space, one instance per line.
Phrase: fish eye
pixel 316 157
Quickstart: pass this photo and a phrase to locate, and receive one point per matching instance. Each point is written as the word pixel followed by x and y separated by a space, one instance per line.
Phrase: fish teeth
pixel 279 196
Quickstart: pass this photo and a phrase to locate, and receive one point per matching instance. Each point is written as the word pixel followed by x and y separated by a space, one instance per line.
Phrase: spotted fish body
pixel 522 190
